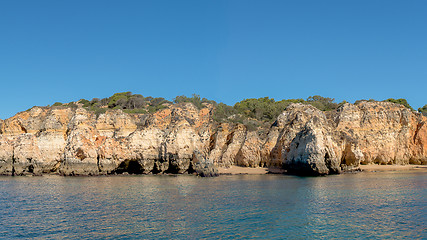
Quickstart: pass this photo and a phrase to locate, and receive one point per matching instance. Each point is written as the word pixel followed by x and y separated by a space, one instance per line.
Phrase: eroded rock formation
pixel 303 140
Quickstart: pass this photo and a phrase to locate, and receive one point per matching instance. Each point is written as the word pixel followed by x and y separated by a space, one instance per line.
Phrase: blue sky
pixel 223 50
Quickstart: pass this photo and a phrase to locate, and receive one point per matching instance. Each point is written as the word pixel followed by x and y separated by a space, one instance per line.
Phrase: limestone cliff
pixel 303 140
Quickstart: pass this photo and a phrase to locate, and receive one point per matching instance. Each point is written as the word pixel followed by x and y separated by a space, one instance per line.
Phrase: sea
pixel 367 205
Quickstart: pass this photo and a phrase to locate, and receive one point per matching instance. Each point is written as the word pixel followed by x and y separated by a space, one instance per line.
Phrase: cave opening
pixel 31 169
pixel 156 168
pixel 130 166
pixel 328 161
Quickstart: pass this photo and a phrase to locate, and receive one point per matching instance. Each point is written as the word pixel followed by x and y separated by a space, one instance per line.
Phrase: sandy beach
pixel 242 170
pixel 386 168
pixel 235 170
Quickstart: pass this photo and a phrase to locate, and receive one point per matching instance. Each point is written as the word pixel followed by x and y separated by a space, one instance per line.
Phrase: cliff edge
pixel 303 140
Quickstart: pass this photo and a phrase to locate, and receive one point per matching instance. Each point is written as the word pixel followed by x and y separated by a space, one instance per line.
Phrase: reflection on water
pixel 364 205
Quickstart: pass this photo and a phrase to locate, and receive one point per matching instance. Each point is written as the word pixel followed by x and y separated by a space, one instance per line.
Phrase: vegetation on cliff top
pixel 400 101
pixel 423 110
pixel 253 112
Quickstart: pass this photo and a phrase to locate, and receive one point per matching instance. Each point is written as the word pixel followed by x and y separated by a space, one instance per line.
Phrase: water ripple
pixel 366 205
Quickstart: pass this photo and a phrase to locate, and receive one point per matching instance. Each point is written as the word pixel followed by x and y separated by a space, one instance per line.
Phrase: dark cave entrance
pixel 130 166
pixel 31 169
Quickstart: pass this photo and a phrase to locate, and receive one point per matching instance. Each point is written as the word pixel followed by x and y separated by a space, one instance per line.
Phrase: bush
pixel 212 102
pixel 263 109
pixel 156 101
pixel 322 103
pixel 423 110
pixel 135 101
pixel 400 101
pixel 118 99
pixel 266 109
pixel 71 105
pixel 363 100
pixel 195 99
pixel 83 101
pixel 127 100
pixel 222 112
pixel 153 109
pixel 57 104
pixel 280 106
pixel 99 111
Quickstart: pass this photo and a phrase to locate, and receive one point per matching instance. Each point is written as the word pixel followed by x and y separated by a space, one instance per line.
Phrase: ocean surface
pixel 350 206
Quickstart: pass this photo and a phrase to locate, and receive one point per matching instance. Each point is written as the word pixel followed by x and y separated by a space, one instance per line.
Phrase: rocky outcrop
pixel 184 139
pixel 202 166
pixel 381 133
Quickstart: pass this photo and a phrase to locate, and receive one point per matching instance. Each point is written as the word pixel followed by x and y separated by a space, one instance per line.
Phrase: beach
pixel 235 170
pixel 387 168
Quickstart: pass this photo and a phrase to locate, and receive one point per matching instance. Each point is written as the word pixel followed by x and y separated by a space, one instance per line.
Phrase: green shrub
pixel 83 101
pixel 71 105
pixel 57 104
pixel 157 101
pixel 118 99
pixel 423 110
pixel 363 100
pixel 322 103
pixel 136 101
pixel 99 111
pixel 251 125
pixel 195 99
pixel 401 101
pixel 143 111
pixel 261 108
pixel 88 104
pixel 266 109
pixel 222 112
pixel 153 109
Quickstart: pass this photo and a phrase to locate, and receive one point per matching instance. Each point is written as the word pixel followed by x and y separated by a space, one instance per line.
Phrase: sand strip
pixel 386 168
pixel 234 170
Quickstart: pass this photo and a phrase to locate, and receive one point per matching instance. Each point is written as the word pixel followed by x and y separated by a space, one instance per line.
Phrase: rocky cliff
pixel 303 140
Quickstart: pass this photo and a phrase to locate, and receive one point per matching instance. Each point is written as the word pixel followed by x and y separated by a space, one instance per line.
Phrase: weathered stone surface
pixel 6 155
pixel 381 133
pixel 303 140
pixel 202 166
pixel 311 152
pixel 304 144
pixel 249 154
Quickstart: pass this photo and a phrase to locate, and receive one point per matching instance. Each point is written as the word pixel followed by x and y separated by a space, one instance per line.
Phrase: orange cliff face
pixel 304 140
pixel 382 133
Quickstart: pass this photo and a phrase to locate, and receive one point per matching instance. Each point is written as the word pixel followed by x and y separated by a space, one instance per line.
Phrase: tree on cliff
pixel 194 99
pixel 119 99
pixel 223 112
pixel 364 100
pixel 57 104
pixel 322 103
pixel 267 109
pixel 401 101
pixel 423 110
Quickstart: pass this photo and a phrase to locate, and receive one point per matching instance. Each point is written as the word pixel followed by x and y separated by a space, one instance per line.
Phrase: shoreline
pixel 236 170
pixel 392 168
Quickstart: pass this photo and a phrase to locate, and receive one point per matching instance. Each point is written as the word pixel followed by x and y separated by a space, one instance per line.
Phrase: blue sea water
pixel 378 205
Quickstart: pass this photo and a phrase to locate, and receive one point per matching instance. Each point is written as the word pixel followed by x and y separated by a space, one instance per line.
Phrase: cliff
pixel 303 140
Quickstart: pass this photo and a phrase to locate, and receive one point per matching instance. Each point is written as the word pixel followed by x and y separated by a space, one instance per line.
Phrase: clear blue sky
pixel 223 50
